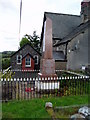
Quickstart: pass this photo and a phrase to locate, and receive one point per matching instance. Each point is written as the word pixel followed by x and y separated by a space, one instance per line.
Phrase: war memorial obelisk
pixel 47 63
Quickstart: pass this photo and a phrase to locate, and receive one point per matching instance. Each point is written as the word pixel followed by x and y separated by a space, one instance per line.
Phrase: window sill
pixel 19 63
pixel 27 65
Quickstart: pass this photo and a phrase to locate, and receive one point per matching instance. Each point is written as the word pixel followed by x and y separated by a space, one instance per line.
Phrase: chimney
pixel 85 10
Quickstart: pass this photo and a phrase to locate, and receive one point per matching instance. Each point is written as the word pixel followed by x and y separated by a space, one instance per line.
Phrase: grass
pixel 63 113
pixel 82 72
pixel 35 108
pixel 64 74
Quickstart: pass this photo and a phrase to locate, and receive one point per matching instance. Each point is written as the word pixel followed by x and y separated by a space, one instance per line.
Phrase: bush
pixel 5 63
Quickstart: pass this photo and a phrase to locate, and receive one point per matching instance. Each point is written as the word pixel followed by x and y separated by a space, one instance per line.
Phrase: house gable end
pixel 23 48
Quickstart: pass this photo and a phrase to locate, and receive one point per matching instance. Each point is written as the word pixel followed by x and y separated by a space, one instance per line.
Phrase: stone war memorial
pixel 48 78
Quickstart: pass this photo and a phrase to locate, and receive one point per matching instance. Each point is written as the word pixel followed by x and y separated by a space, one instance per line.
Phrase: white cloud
pixel 32 17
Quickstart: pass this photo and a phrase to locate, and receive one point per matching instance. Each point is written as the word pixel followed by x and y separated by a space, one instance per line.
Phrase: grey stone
pixel 87 117
pixel 23 51
pixel 77 117
pixel 48 105
pixel 85 111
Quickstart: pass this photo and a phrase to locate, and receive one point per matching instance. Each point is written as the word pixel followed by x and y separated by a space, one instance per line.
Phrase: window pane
pixel 28 61
pixel 36 59
pixel 19 61
pixel 19 58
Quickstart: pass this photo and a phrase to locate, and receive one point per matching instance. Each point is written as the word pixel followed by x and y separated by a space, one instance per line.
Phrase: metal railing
pixel 28 88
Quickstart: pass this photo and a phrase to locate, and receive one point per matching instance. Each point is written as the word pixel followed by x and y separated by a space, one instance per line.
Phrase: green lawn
pixel 63 112
pixel 35 108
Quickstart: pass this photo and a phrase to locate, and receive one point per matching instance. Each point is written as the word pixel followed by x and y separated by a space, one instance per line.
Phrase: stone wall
pixel 60 48
pixel 77 53
pixel 60 65
pixel 23 52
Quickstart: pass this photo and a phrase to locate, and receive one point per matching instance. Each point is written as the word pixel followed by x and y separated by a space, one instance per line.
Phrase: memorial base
pixel 47 82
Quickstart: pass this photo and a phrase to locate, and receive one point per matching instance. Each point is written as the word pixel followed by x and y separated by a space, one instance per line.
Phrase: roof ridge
pixel 23 47
pixel 61 14
pixel 74 30
pixel 27 54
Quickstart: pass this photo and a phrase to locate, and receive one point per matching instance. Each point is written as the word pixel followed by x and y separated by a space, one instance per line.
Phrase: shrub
pixel 5 63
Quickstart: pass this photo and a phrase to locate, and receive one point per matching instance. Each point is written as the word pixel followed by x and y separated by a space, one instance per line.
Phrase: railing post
pixel 22 88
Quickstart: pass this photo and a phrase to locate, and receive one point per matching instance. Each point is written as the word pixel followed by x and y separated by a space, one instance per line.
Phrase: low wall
pixel 60 65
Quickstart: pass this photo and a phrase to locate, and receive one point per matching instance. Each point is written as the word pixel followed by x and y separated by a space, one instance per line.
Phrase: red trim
pixel 27 68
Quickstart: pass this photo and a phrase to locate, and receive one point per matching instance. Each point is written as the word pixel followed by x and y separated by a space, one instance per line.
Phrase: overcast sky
pixel 32 18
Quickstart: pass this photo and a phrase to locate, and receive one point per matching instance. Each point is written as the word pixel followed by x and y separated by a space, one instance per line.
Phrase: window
pixel 76 47
pixel 36 59
pixel 19 59
pixel 28 62
pixel 69 50
pixel 83 67
pixel 57 48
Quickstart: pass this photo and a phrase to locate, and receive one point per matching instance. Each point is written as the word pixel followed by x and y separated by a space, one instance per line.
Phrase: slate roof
pixel 28 54
pixel 74 33
pixel 23 47
pixel 58 55
pixel 62 24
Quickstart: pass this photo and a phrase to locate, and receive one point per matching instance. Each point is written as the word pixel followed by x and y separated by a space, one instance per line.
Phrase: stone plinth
pixel 47 67
pixel 46 83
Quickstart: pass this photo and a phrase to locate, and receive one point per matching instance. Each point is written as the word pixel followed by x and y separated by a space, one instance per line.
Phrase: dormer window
pixel 19 59
pixel 36 59
pixel 28 61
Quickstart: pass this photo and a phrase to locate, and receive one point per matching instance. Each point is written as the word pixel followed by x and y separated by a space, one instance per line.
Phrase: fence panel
pixel 28 88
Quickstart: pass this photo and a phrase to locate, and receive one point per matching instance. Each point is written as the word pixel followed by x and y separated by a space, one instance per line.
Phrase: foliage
pixel 5 63
pixel 5 59
pixel 24 41
pixel 8 75
pixel 33 40
pixel 0 75
pixel 74 87
pixel 6 54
